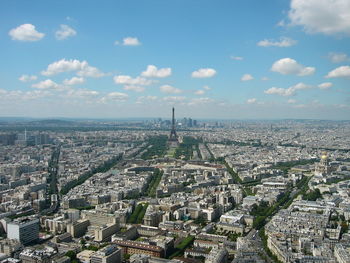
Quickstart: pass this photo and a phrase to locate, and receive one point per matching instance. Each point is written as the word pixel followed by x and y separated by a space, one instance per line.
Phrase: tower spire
pixel 173 136
pixel 173 120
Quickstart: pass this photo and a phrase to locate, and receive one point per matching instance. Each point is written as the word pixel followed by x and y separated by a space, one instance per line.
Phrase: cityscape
pixel 177 190
pixel 204 132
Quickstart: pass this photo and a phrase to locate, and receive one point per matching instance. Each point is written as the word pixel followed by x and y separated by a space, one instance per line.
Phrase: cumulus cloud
pixel 325 85
pixel 251 101
pixel 206 88
pixel 291 101
pixel 128 80
pixel 81 93
pixel 64 65
pixel 199 92
pixel 204 73
pixel 338 57
pixel 340 72
pixel 146 98
pixel 115 96
pixel 73 81
pixel 26 32
pixel 282 42
pixel 288 66
pixel 128 41
pixel 82 67
pixel 246 77
pixel 170 89
pixel 18 95
pixel 46 84
pixel 153 72
pixel 328 17
pixel 65 32
pixel 134 88
pixel 174 99
pixel 280 91
pixel 27 78
pixel 291 91
pixel 91 72
pixel 197 101
pixel 236 58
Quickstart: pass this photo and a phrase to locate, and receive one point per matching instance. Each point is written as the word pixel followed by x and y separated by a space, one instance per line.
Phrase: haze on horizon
pixel 246 59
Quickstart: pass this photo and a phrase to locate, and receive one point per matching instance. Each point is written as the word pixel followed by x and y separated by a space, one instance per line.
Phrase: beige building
pixel 109 254
pixel 85 256
pixel 78 228
pixel 104 233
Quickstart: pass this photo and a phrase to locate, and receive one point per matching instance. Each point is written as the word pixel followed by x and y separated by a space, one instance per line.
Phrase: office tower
pixel 25 230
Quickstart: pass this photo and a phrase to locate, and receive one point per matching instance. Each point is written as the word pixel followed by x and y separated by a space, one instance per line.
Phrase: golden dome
pixel 324 157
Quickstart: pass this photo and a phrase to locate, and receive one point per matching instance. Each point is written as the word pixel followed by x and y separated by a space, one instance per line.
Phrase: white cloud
pixel 73 81
pixel 127 80
pixel 291 101
pixel 46 84
pixel 146 98
pixel 246 77
pixel 252 101
pixel 199 92
pixel 264 78
pixel 26 32
pixel 91 72
pixel 338 57
pixel 18 95
pixel 35 94
pixel 291 91
pixel 204 73
pixel 281 23
pixel 236 58
pixel 65 32
pixel 27 78
pixel 325 85
pixel 280 91
pixel 321 16
pixel 118 96
pixel 283 42
pixel 206 88
pixel 81 93
pixel 115 96
pixel 197 101
pixel 340 72
pixel 288 66
pixel 174 99
pixel 129 41
pixel 134 88
pixel 63 65
pixel 170 89
pixel 153 71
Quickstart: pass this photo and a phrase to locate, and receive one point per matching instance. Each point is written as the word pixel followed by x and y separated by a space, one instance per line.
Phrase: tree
pixel 71 254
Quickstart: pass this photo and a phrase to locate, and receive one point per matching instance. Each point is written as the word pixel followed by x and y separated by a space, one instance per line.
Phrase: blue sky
pixel 210 59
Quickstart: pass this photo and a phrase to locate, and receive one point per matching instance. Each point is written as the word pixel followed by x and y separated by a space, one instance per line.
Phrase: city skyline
pixel 233 60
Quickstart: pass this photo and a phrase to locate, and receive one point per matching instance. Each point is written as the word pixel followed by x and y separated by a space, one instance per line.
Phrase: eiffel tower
pixel 173 139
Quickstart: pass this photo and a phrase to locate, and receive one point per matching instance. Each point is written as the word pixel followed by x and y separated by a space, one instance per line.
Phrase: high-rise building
pixel 25 230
